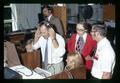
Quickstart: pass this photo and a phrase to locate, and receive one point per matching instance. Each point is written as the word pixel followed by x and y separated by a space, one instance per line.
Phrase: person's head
pixel 82 28
pixel 73 61
pixel 98 32
pixel 47 11
pixel 44 28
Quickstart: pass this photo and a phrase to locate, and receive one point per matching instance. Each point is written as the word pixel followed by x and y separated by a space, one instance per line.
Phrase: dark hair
pixel 101 29
pixel 87 27
pixel 43 23
pixel 48 7
pixel 53 27
pixel 48 25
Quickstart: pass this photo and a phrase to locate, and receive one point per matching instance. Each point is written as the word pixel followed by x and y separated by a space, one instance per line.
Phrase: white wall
pixel 73 8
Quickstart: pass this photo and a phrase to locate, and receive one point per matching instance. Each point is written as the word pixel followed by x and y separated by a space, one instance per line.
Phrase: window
pixel 7 18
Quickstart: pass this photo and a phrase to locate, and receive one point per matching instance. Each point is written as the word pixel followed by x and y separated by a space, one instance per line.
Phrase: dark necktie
pixel 46 54
pixel 48 20
pixel 80 44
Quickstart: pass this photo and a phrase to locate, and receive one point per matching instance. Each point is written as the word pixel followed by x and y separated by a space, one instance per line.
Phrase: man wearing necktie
pixel 49 17
pixel 52 47
pixel 82 43
pixel 46 54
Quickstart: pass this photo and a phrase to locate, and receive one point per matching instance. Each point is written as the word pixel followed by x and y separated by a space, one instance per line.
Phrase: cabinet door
pixel 108 12
pixel 60 12
pixel 31 59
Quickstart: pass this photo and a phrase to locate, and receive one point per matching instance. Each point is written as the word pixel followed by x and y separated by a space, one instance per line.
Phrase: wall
pixel 109 12
pixel 72 13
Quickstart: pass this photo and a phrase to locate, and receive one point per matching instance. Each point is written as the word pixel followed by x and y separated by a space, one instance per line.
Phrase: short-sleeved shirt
pixel 104 59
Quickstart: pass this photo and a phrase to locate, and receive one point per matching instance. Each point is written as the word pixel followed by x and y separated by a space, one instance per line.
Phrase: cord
pixel 68 73
pixel 42 74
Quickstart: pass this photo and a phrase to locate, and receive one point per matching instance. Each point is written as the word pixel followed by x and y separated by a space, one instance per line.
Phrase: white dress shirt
pixel 49 17
pixel 104 59
pixel 55 55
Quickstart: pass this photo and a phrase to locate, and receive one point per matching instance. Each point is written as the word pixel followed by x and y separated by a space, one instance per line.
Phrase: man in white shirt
pixel 55 47
pixel 104 58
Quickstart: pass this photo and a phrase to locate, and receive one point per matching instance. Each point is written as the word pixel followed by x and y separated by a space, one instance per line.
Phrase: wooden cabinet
pixel 109 12
pixel 60 12
pixel 16 38
pixel 78 73
pixel 31 59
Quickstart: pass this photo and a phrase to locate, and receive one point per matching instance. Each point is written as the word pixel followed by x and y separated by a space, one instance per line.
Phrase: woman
pixel 74 60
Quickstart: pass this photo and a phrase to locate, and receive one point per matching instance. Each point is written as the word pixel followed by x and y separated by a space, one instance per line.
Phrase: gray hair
pixel 101 29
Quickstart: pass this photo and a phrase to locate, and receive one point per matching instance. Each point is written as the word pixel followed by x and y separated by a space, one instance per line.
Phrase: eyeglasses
pixel 93 31
pixel 82 30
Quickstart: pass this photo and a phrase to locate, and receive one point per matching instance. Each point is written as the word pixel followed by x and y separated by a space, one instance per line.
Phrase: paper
pixel 26 73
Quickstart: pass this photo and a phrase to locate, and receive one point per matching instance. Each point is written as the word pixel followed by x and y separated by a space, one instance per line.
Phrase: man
pixel 82 43
pixel 52 45
pixel 104 58
pixel 47 12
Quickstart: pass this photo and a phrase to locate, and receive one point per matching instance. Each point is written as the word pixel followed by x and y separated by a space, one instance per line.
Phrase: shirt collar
pixel 101 42
pixel 84 36
pixel 49 17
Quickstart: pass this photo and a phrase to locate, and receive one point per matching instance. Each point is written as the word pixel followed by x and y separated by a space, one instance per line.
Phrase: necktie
pixel 46 55
pixel 48 20
pixel 94 51
pixel 80 44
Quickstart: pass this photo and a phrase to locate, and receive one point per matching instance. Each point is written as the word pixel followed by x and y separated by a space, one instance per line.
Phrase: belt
pixel 49 64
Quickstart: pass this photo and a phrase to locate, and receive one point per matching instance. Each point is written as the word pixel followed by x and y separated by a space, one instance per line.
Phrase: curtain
pixel 24 16
pixel 14 17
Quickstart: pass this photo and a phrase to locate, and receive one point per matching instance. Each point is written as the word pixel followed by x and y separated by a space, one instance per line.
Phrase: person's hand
pixel 52 33
pixel 29 48
pixel 37 33
pixel 88 58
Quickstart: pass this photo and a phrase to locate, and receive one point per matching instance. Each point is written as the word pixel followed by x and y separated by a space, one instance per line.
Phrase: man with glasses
pixel 82 43
pixel 104 58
